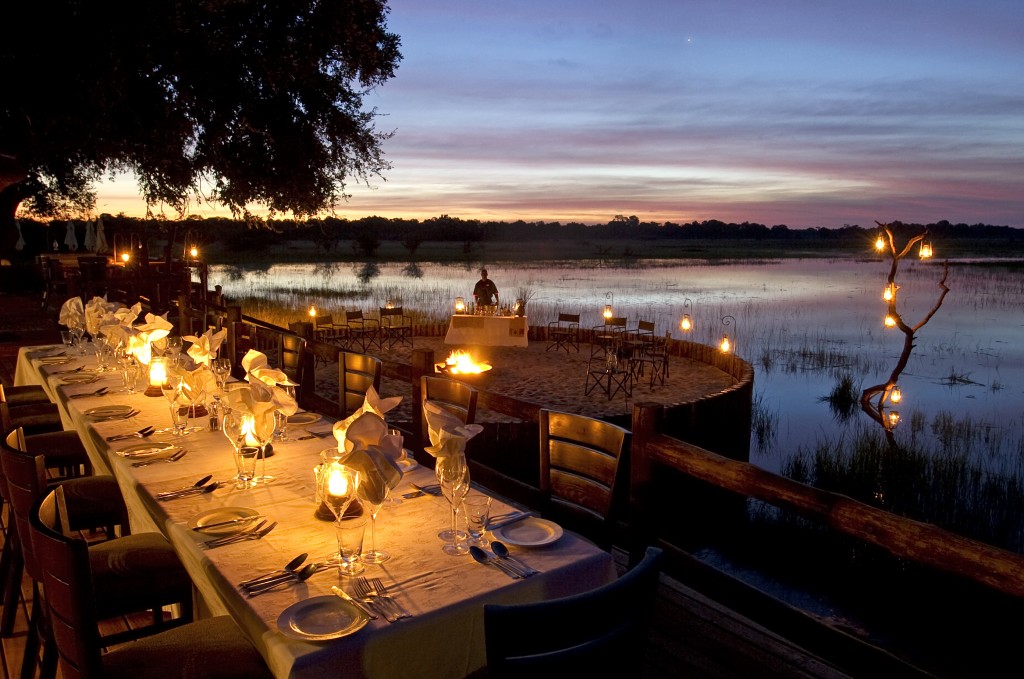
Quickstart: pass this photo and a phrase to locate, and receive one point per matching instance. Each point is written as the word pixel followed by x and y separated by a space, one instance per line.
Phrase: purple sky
pixel 804 113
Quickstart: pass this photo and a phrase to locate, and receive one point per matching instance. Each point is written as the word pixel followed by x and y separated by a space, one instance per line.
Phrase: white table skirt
pixel 445 636
pixel 487 331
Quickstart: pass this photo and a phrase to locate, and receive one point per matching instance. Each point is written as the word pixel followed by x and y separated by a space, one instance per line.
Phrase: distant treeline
pixel 366 233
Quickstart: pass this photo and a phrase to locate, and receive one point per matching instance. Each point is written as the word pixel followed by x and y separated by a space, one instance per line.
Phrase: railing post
pixel 642 521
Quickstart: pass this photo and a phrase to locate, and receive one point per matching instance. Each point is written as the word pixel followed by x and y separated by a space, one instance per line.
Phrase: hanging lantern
pixel 895 396
pixel 926 249
pixel 686 325
pixel 390 304
pixel 889 293
pixel 879 243
pixel 890 322
pixel 725 345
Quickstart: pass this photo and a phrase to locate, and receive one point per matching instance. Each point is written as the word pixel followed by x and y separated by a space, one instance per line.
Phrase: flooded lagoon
pixel 801 323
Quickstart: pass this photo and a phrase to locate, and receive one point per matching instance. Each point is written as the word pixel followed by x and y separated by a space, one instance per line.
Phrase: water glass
pixel 350 531
pixel 245 464
pixel 180 415
pixel 477 508
pixel 130 370
pixel 68 338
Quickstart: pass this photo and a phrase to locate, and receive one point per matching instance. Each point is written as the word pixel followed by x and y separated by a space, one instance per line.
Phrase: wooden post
pixel 642 524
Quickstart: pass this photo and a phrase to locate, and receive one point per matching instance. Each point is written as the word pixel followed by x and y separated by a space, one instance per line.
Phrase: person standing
pixel 485 292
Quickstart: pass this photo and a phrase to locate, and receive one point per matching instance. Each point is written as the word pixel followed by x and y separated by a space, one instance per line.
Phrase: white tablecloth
pixel 445 594
pixel 488 331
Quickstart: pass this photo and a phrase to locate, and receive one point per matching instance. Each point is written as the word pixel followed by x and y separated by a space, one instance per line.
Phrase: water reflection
pixel 412 270
pixel 367 272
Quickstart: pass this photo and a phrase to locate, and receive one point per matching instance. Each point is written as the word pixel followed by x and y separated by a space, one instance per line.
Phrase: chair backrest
pixel 392 317
pixel 323 321
pixel 356 374
pixel 5 413
pixel 600 633
pixel 579 466
pixel 293 356
pixel 569 318
pixel 356 316
pixel 67 580
pixel 456 397
pixel 25 481
pixel 645 327
pixel 616 322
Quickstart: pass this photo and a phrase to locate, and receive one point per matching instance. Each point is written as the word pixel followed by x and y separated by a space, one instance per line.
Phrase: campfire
pixel 460 362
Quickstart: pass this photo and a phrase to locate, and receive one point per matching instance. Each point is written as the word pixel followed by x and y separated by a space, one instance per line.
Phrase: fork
pixel 379 590
pixel 366 594
pixel 110 418
pixel 173 458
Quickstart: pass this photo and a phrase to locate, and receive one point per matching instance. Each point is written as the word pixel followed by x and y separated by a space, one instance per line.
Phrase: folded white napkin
pixel 205 346
pixel 263 381
pixel 72 313
pixel 448 435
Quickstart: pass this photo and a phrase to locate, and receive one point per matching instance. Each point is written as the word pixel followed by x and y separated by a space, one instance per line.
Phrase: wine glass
pixel 173 348
pixel 236 426
pixel 221 368
pixel 453 476
pixel 373 496
pixel 337 487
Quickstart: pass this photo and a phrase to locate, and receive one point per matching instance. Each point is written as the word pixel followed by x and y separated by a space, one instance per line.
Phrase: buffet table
pixel 488 331
pixel 445 594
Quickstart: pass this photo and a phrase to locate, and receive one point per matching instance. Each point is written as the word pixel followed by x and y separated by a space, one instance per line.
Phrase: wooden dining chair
pixel 356 374
pixel 213 647
pixel 600 633
pixel 35 416
pixel 580 465
pixel 456 397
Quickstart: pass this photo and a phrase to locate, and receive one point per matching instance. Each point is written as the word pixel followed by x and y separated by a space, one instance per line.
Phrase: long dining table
pixel 445 594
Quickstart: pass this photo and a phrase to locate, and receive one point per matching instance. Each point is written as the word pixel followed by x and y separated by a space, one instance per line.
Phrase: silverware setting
pixel 502 520
pixel 300 575
pixel 199 488
pixel 480 556
pixel 502 552
pixel 316 435
pixel 99 392
pixel 257 532
pixel 288 568
pixel 373 592
pixel 68 370
pixel 173 458
pixel 140 434
pixel 110 418
pixel 270 581
pixel 429 489
pixel 365 608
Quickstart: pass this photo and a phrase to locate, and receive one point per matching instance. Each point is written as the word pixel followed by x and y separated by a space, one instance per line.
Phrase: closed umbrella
pixel 90 237
pixel 71 240
pixel 101 237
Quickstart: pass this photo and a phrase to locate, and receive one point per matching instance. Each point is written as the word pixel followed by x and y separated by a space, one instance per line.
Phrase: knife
pixel 229 522
pixel 358 604
pixel 503 521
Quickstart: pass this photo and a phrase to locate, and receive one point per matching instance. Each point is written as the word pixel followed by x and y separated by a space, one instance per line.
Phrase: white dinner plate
pixel 145 449
pixel 220 515
pixel 302 419
pixel 320 619
pixel 108 411
pixel 530 532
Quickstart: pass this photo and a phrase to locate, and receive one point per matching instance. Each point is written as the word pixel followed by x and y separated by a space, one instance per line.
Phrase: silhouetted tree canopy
pixel 234 101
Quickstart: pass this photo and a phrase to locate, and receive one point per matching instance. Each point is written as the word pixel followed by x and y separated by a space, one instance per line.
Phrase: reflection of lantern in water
pixel 893 419
pixel 890 322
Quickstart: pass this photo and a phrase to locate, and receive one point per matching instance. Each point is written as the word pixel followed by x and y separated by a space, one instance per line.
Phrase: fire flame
pixel 461 363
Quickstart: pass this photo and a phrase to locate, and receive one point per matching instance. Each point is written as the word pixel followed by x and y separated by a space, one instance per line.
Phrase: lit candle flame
pixel 337 482
pixel 157 373
pixel 248 431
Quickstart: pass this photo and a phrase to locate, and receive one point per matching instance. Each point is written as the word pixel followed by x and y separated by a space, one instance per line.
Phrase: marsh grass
pixel 844 399
pixel 937 480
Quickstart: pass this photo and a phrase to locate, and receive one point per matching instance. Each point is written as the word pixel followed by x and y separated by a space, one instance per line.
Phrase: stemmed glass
pixel 172 391
pixel 221 368
pixel 374 555
pixel 238 427
pixel 337 486
pixel 76 335
pixel 453 476
pixel 174 348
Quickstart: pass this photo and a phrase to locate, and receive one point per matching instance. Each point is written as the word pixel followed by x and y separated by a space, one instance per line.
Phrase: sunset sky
pixel 805 113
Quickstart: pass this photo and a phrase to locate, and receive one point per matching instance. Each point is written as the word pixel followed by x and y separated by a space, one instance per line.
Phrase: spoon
pixel 480 556
pixel 502 552
pixel 299 576
pixel 288 568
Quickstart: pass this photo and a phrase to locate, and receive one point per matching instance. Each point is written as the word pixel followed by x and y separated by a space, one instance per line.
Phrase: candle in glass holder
pixel 157 376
